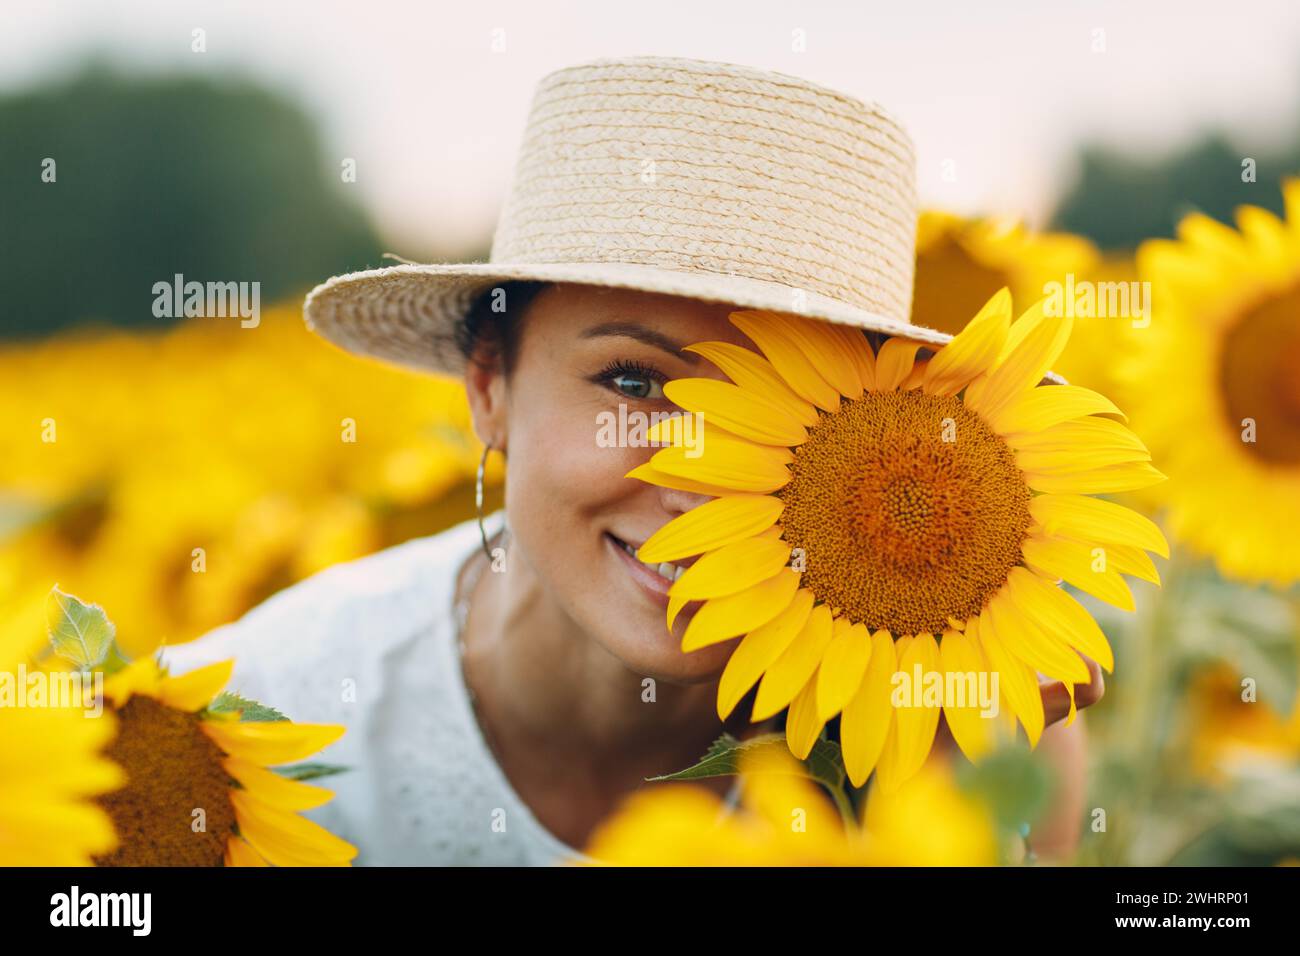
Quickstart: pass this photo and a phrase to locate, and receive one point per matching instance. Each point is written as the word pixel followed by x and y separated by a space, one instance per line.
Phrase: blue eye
pixel 633 380
pixel 635 385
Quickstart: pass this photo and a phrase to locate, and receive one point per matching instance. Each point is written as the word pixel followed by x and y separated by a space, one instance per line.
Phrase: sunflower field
pixel 180 477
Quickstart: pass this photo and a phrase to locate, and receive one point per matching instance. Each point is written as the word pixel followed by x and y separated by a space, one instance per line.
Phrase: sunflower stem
pixel 844 805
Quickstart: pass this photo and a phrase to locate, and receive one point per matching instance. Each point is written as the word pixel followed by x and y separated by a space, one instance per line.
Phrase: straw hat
pixel 692 178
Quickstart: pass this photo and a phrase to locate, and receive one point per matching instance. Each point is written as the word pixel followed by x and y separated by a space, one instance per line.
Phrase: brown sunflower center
pixel 1260 376
pixel 173 769
pixel 909 511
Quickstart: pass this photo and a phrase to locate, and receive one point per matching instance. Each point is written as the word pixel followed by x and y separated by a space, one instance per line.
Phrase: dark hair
pixel 498 329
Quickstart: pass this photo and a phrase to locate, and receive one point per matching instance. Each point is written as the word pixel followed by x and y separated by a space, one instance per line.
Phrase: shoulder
pixel 334 626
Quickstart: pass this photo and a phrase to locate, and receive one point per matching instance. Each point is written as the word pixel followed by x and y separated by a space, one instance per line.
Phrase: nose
pixel 677 502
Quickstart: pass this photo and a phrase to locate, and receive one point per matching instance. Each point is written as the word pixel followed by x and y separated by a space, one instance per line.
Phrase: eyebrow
pixel 643 334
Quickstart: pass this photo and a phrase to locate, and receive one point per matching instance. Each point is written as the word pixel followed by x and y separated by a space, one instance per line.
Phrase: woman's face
pixel 584 351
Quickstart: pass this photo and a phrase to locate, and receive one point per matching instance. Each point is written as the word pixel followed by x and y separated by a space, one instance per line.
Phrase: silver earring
pixel 478 500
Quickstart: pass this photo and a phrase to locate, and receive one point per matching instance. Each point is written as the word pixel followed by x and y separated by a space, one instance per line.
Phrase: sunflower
pixel 876 514
pixel 786 820
pixel 961 262
pixel 51 767
pixel 187 763
pixel 1222 406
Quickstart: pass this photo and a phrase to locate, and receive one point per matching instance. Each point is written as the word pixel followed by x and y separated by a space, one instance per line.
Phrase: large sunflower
pixel 51 767
pixel 186 762
pixel 934 505
pixel 1222 406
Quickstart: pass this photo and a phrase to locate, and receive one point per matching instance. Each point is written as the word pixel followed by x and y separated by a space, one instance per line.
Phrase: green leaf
pixel 79 632
pixel 724 756
pixel 310 771
pixel 249 710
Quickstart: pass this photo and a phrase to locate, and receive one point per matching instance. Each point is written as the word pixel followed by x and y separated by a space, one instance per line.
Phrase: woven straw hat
pixel 708 180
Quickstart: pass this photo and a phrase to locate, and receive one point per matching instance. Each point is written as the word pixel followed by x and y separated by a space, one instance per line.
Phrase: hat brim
pixel 408 314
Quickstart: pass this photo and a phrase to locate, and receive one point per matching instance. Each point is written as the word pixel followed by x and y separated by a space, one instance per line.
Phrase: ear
pixel 485 384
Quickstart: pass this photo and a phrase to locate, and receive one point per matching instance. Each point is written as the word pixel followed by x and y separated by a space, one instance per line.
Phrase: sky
pixel 996 95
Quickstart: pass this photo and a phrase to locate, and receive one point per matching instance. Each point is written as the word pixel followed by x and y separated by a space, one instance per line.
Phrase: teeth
pixel 665 570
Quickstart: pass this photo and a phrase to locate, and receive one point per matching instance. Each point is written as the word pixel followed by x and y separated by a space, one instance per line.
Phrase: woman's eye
pixel 634 385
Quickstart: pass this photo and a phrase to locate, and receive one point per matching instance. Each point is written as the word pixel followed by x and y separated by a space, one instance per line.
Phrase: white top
pixel 373 645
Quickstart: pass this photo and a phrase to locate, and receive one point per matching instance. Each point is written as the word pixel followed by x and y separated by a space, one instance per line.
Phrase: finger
pixel 1056 699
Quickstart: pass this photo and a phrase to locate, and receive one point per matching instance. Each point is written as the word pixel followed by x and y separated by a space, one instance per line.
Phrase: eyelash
pixel 614 369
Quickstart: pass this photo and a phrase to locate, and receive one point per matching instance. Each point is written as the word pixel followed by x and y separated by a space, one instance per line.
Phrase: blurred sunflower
pixel 1222 402
pixel 182 757
pixel 51 767
pixel 785 820
pixel 942 497
pixel 1229 733
pixel 961 262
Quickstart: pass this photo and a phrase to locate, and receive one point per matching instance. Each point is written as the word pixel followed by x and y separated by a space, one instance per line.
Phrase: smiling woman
pixel 502 700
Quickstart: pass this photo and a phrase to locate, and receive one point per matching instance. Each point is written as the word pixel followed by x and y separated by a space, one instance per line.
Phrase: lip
pixel 654 586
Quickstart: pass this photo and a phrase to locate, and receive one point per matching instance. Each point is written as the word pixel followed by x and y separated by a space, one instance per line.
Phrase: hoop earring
pixel 478 500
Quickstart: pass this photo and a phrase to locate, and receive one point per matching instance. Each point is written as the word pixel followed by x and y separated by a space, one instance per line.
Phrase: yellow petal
pixel 1084 434
pixel 795 366
pixel 802 725
pixel 287 839
pixel 751 371
pixel 1085 566
pixel 842 668
pixel 195 690
pixel 1015 678
pixel 728 462
pixel 1023 636
pixel 1061 614
pixel 759 650
pixel 1084 518
pixel 859 351
pixel 271 742
pixel 1047 405
pixel 894 363
pixel 726 617
pixel 675 605
pixel 973 350
pixel 791 670
pixel 1034 343
pixel 141 676
pixel 731 568
pixel 868 716
pixel 914 726
pixel 821 343
pixel 711 525
pixel 276 790
pixel 649 474
pixel 1096 481
pixel 748 414
pixel 974 732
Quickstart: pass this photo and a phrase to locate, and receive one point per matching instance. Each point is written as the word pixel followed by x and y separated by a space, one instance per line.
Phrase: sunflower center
pixel 1260 381
pixel 173 770
pixel 909 511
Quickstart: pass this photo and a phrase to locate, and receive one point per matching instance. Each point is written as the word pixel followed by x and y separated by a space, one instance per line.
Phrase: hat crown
pixel 703 167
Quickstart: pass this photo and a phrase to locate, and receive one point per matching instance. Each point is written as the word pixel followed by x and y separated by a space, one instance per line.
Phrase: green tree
pixel 155 176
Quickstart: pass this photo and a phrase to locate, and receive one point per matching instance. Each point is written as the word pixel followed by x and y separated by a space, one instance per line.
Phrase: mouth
pixel 654 579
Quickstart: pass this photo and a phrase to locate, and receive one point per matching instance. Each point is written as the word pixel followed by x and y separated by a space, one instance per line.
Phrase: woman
pixel 507 682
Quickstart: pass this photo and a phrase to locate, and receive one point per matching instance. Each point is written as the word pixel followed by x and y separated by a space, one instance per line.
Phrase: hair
pixel 497 333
